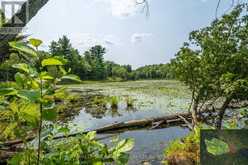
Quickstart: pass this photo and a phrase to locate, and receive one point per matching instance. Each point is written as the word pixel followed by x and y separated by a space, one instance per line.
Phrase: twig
pixel 217 8
pixel 186 122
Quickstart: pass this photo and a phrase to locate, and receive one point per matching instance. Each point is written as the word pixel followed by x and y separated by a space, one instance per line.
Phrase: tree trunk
pixel 194 116
pixel 221 113
pixel 194 112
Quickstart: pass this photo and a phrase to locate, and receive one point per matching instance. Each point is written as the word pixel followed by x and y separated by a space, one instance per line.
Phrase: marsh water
pixel 154 98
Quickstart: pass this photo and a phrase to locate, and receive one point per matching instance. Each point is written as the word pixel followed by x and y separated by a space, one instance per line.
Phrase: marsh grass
pixel 114 101
pixel 100 101
pixel 129 102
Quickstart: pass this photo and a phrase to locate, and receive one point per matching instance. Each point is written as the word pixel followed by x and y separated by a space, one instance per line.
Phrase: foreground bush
pixel 184 151
pixel 28 109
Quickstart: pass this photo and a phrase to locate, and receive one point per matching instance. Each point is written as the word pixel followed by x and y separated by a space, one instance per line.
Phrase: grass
pixel 129 102
pixel 114 100
pixel 100 101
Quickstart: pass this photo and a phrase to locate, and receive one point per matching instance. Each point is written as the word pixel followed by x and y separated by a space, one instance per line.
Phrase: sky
pixel 129 36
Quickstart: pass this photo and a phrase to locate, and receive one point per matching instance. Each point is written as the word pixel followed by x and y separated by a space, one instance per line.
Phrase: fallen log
pixel 111 128
pixel 160 122
pixel 166 120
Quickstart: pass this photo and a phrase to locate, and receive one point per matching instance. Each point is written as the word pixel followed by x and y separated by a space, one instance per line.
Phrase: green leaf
pixel 123 158
pixel 51 61
pixel 35 84
pixel 64 130
pixel 7 91
pixel 98 163
pixel 46 76
pixel 71 77
pixel 35 42
pixel 125 145
pixel 49 115
pixel 20 79
pixel 62 70
pixel 216 146
pixel 119 152
pixel 22 47
pixel 91 135
pixel 32 95
pixel 30 112
pixel 22 66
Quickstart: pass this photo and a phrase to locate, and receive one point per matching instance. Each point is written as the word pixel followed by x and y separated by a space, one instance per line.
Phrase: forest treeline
pixel 91 65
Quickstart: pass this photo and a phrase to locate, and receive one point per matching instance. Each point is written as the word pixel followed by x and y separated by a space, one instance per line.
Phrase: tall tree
pixel 95 58
pixel 213 63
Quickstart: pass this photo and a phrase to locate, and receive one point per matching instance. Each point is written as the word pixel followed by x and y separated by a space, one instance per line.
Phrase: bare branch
pixel 145 7
pixel 217 8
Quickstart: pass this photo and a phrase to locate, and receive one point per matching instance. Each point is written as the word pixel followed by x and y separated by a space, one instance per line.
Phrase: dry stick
pixel 187 122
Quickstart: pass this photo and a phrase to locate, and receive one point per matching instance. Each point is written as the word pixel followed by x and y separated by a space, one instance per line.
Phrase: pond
pixel 150 98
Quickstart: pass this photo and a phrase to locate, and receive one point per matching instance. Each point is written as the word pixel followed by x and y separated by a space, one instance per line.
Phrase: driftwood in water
pixel 166 120
pixel 160 121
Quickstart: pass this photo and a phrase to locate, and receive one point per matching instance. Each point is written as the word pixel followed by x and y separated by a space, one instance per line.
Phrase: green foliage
pixel 185 150
pixel 28 105
pixel 213 63
pixel 82 149
pixel 160 71
pixel 71 77
pixel 23 48
pixel 88 66
pixel 216 146
pixel 51 62
pixel 35 42
pixel 13 117
pixel 7 91
pixel 91 64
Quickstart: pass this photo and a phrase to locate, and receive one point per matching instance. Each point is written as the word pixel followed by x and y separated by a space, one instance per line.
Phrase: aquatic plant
pixel 100 101
pixel 114 100
pixel 129 102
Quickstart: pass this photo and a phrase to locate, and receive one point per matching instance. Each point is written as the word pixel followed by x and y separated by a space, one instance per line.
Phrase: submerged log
pixel 112 128
pixel 163 121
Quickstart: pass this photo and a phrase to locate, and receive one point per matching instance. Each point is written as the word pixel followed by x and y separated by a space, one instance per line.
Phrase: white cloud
pixel 139 37
pixel 111 40
pixel 122 8
pixel 84 41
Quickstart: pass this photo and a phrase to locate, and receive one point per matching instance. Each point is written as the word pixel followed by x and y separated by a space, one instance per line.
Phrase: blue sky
pixel 129 36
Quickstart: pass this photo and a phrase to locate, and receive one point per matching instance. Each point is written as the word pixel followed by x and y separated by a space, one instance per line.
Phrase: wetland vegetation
pixel 61 106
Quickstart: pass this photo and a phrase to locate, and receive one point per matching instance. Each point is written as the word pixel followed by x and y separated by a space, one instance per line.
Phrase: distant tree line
pixel 91 64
